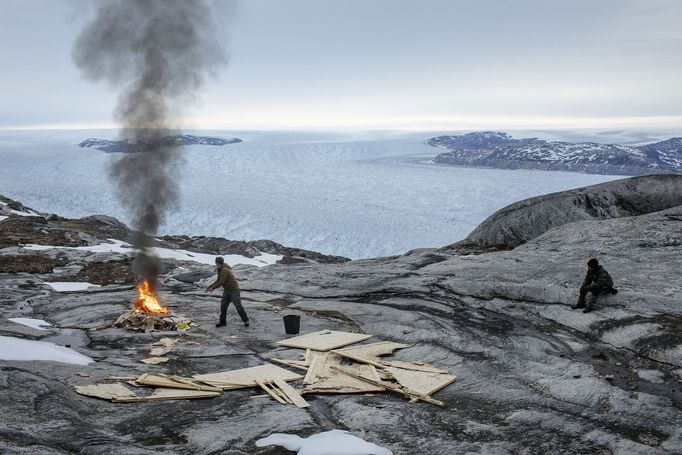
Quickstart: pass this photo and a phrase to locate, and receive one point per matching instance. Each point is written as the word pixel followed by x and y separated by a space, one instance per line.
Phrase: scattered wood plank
pixel 155 360
pixel 166 382
pixel 375 350
pixel 415 366
pixel 300 365
pixel 291 393
pixel 376 363
pixel 264 385
pixel 324 340
pixel 246 377
pixel 397 389
pixel 159 351
pixel 168 394
pixel 105 391
pixel 421 382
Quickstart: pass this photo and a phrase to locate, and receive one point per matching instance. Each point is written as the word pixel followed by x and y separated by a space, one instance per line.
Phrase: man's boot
pixel 221 324
pixel 580 304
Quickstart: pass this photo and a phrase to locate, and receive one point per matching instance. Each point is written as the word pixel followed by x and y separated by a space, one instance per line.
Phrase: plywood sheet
pixel 246 377
pixel 169 394
pixel 421 382
pixel 416 366
pixel 322 378
pixel 174 382
pixel 324 340
pixel 375 350
pixel 154 360
pixel 291 393
pixel 105 391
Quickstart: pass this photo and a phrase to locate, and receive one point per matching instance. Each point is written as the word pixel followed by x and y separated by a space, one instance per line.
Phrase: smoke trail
pixel 156 54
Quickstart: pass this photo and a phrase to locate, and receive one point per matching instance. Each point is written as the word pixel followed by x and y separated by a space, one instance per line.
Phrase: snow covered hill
pixel 500 150
pixel 131 146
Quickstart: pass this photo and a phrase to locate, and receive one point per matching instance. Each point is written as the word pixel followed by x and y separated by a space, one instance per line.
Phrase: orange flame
pixel 147 301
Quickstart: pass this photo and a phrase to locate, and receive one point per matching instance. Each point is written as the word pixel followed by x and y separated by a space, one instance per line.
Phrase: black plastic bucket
pixel 292 324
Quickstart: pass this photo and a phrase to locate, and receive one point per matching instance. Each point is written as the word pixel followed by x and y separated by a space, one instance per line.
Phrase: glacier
pixel 359 195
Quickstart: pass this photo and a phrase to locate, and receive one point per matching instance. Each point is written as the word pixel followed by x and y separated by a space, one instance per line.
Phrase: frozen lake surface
pixel 357 195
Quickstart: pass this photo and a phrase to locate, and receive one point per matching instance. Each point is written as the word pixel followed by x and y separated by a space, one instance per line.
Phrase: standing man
pixel 597 281
pixel 230 286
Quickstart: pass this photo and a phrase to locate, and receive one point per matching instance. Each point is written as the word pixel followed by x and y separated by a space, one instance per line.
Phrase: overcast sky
pixel 415 64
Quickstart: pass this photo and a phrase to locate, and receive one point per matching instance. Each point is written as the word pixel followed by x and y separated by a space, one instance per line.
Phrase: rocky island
pixel 500 150
pixel 533 376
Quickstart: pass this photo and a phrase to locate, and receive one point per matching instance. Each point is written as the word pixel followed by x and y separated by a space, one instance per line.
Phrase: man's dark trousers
pixel 231 296
pixel 593 298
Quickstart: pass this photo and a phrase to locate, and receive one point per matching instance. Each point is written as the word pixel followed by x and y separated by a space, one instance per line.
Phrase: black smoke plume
pixel 156 54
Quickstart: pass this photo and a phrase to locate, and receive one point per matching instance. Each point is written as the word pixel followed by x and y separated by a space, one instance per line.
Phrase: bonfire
pixel 149 315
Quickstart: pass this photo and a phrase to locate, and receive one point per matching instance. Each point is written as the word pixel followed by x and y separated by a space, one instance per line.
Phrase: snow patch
pixel 335 442
pixel 117 246
pixel 68 286
pixel 37 324
pixel 3 218
pixel 12 348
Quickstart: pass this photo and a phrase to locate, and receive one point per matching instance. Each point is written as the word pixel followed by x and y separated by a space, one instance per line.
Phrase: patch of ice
pixel 335 442
pixel 67 286
pixel 12 348
pixel 3 217
pixel 117 246
pixel 37 324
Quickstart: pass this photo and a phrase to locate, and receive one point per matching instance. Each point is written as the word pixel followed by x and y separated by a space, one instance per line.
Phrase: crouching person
pixel 597 282
pixel 230 286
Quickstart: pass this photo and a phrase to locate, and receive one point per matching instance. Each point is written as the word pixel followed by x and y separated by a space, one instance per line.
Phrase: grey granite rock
pixel 534 376
pixel 524 220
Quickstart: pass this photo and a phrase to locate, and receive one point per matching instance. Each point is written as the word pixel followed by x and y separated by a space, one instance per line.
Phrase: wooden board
pixel 421 382
pixel 155 360
pixel 416 366
pixel 105 391
pixel 159 351
pixel 175 382
pixel 298 364
pixel 246 377
pixel 324 340
pixel 393 388
pixel 375 350
pixel 169 394
pixel 291 393
pixel 322 378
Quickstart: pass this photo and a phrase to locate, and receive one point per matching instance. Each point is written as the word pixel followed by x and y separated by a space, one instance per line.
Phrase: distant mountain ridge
pixel 499 150
pixel 131 146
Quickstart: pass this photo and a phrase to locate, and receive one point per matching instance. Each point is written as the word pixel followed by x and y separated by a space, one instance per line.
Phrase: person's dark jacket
pixel 598 279
pixel 225 279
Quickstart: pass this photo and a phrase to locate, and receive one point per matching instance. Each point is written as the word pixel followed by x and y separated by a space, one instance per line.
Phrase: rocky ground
pixel 534 376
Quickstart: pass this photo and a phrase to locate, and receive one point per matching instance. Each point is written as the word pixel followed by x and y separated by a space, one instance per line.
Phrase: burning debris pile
pixel 328 369
pixel 148 315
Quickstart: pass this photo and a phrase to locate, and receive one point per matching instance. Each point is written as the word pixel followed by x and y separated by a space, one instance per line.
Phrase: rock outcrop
pixel 522 221
pixel 534 376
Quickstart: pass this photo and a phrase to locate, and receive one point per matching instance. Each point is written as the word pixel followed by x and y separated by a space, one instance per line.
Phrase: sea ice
pixel 357 195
